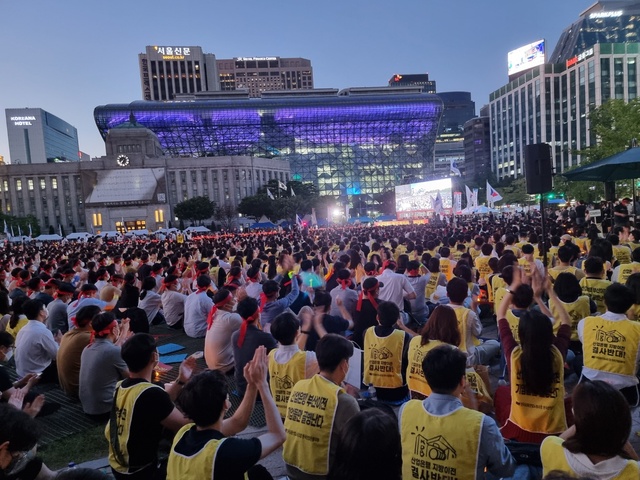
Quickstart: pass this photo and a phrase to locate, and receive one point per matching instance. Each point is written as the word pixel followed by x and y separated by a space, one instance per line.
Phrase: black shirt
pixel 5 380
pixel 332 324
pixel 362 320
pixel 620 208
pixel 243 355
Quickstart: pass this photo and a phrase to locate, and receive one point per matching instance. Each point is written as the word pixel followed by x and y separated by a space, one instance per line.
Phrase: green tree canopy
pixel 195 209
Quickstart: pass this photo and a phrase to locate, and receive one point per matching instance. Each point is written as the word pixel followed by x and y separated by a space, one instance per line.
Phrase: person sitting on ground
pixel 473 436
pixel 196 309
pixel 385 355
pixel 15 392
pixel 222 323
pixel 331 324
pixel 101 365
pixel 595 283
pixel 172 302
pixel 88 296
pixel 18 319
pixel 288 363
pixel 151 302
pixel 201 450
pixel 597 445
pixel 368 447
pixel 366 312
pixel 36 347
pixel 58 319
pixel 345 292
pixel 271 306
pixel 247 339
pixel 566 255
pixel 71 346
pixel 141 410
pixel 610 344
pixel 311 445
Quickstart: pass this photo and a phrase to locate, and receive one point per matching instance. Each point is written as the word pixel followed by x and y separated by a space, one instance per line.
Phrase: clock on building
pixel 122 160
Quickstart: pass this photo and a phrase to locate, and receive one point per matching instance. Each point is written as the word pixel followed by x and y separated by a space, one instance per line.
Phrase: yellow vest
pixel 482 264
pixel 555 271
pixel 526 266
pixel 611 346
pixel 634 313
pixel 439 447
pixel 457 255
pixel 461 316
pixel 198 466
pixel 446 267
pixel 554 457
pixel 125 399
pixel 534 413
pixel 383 359
pixel 622 253
pixel 310 413
pixel 577 311
pixel 594 288
pixel 14 331
pixel 514 323
pixel 514 249
pixel 498 295
pixel 415 374
pixel 283 376
pixel 626 270
pixel 432 284
pixel 474 253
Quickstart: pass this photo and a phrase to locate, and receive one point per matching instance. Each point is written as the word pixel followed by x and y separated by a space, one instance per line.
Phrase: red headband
pixel 245 324
pixel 369 297
pixel 344 283
pixel 413 273
pixel 214 309
pixel 102 333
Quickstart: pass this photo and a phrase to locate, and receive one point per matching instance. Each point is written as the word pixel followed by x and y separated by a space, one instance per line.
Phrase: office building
pixel 477 149
pixel 133 187
pixel 458 108
pixel 411 80
pixel 596 59
pixel 37 136
pixel 167 71
pixel 356 141
pixel 262 74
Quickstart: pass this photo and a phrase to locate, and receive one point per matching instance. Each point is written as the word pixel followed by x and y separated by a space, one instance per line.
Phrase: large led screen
pixel 526 57
pixel 417 198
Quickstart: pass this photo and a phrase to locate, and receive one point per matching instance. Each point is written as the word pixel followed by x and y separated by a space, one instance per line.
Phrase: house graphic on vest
pixel 419 355
pixel 381 354
pixel 284 383
pixel 612 336
pixel 436 448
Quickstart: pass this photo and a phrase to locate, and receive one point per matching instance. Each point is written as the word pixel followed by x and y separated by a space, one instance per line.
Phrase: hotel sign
pixel 21 121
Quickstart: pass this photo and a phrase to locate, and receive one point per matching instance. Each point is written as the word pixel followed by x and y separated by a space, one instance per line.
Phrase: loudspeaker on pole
pixel 537 168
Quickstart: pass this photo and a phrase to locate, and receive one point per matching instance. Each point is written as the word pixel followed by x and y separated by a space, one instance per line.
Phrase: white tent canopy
pixel 137 232
pixel 198 229
pixel 110 233
pixel 78 235
pixel 48 238
pixel 21 238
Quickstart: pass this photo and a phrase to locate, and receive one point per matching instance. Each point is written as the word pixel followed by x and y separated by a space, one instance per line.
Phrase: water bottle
pixel 502 382
pixel 72 465
pixel 371 392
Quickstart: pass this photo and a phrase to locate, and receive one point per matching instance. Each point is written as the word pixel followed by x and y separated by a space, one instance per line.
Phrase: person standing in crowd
pixel 621 212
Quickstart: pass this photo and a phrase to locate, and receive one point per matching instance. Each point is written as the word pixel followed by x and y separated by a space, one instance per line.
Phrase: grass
pixel 80 447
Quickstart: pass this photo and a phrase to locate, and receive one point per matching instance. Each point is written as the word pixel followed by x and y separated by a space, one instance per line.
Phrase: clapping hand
pixel 187 367
pixel 255 372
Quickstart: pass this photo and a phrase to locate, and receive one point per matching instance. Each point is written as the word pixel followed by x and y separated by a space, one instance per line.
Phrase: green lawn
pixel 81 447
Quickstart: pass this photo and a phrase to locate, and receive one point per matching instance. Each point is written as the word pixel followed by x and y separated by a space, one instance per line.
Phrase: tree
pixel 512 191
pixel 195 209
pixel 226 214
pixel 256 205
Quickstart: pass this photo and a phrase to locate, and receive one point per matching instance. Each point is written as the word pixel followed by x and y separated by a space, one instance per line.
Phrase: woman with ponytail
pixel 247 339
pixel 534 405
pixel 151 302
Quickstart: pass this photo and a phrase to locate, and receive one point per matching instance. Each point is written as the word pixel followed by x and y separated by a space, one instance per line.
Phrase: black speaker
pixel 610 191
pixel 537 168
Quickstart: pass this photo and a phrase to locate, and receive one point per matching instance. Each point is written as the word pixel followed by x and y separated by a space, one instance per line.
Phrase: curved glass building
pixel 347 143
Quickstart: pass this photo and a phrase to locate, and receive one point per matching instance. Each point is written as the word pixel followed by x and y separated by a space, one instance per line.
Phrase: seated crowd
pixel 364 346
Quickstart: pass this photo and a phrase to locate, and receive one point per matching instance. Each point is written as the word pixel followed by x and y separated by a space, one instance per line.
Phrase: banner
pixel 454 168
pixel 475 197
pixel 314 219
pixel 457 202
pixel 469 197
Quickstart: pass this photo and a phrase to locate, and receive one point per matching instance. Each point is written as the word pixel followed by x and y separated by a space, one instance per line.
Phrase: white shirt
pixel 196 310
pixel 254 289
pixel 395 287
pixel 218 351
pixel 284 353
pixel 173 306
pixel 151 304
pixel 35 348
pixel 616 380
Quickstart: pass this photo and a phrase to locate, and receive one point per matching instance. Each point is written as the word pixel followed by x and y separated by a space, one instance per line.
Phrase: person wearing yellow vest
pixel 202 450
pixel 141 410
pixel 480 353
pixel 533 406
pixel 611 342
pixel 288 364
pixel 570 298
pixel 633 282
pixel 565 257
pixel 594 284
pixel 509 241
pixel 528 262
pixel 318 409
pixel 385 355
pixel 621 252
pixel 436 278
pixel 447 263
pixel 623 271
pixel 440 436
pixel 596 446
pixel 481 263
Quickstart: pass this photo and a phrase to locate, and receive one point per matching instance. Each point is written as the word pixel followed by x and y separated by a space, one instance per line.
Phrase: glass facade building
pixel 37 136
pixel 346 144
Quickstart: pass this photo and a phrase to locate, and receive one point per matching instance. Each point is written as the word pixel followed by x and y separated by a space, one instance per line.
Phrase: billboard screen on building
pixel 526 57
pixel 417 199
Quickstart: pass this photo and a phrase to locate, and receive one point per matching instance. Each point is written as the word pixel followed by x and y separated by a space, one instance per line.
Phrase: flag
pixel 298 221
pixel 6 229
pixel 469 197
pixel 124 227
pixel 314 219
pixel 475 197
pixel 282 186
pixel 270 195
pixel 19 230
pixel 293 194
pixel 457 202
pixel 60 229
pixel 12 234
pixel 492 195
pixel 438 205
pixel 454 168
pixel 30 231
pixel 92 230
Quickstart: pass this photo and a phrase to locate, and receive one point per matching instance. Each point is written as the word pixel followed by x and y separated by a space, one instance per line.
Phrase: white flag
pixel 269 194
pixel 314 220
pixel 298 221
pixel 6 229
pixel 12 234
pixel 293 194
pixel 60 229
pixel 30 231
pixel 438 204
pixel 454 168
pixel 282 186
pixel 492 195
pixel 475 197
pixel 469 197
pixel 19 230
pixel 124 227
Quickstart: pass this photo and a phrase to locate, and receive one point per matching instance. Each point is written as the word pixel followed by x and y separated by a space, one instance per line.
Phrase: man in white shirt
pixel 222 322
pixel 36 347
pixel 196 309
pixel 396 288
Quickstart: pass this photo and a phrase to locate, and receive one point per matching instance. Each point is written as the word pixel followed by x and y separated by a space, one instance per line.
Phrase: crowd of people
pixel 366 346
